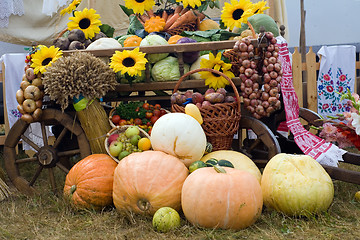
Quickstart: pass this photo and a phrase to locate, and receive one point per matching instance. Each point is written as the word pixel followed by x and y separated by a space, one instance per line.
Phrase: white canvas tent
pixel 35 26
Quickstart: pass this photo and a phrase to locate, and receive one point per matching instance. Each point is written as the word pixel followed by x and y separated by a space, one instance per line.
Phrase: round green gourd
pixel 258 20
pixel 225 163
pixel 211 162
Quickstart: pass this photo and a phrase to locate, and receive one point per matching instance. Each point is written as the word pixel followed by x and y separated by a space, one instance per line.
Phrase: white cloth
pixel 336 74
pixel 52 6
pixel 10 7
pixel 14 70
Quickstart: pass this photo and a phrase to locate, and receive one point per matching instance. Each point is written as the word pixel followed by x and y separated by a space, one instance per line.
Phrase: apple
pixel 20 109
pixel 32 92
pixel 27 118
pixel 123 154
pixel 113 137
pixel 20 96
pixel 30 75
pixel 131 131
pixel 135 139
pixel 115 148
pixel 29 105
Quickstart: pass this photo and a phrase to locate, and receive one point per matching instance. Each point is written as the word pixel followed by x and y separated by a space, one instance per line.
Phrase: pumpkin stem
pixel 219 169
pixel 143 204
pixel 72 189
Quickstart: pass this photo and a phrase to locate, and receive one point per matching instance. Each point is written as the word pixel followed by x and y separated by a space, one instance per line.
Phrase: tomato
pixel 122 122
pixel 157 106
pixel 148 124
pixel 148 115
pixel 116 119
pixel 162 112
pixel 149 132
pixel 137 121
pixel 153 119
pixel 146 106
pixel 157 113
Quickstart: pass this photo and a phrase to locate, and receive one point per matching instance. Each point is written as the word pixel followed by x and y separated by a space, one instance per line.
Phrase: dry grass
pixel 48 216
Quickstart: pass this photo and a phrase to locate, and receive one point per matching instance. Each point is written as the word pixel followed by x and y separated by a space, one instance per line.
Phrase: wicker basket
pixel 119 129
pixel 221 120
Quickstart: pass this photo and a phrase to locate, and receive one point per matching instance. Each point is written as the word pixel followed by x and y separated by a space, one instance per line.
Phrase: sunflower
pixel 87 21
pixel 44 57
pixel 72 6
pixel 192 3
pixel 259 7
pixel 236 13
pixel 128 62
pixel 214 80
pixel 139 6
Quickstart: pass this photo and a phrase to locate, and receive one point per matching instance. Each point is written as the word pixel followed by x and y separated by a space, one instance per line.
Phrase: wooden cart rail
pixel 306 89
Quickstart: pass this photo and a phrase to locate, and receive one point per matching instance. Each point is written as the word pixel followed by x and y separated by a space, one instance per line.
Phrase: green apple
pixel 123 154
pixel 115 148
pixel 131 131
pixel 135 139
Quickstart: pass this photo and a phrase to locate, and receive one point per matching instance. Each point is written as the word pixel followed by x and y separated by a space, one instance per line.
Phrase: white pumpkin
pixel 104 43
pixel 296 185
pixel 180 135
pixel 196 65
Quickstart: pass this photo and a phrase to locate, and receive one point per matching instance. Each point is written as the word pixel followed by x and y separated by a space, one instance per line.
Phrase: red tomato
pixel 157 106
pixel 146 106
pixel 162 112
pixel 148 124
pixel 148 115
pixel 154 119
pixel 149 132
pixel 137 121
pixel 122 122
pixel 157 113
pixel 116 119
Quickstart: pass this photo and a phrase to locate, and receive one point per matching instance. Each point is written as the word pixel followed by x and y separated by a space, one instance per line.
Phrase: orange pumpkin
pixel 173 39
pixel 146 181
pixel 231 200
pixel 89 182
pixel 154 24
pixel 132 41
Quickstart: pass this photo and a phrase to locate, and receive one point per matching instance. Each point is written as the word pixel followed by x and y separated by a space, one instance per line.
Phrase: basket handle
pixel 213 71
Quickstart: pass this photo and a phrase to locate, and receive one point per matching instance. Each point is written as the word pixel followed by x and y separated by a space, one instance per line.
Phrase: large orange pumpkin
pixel 89 182
pixel 231 200
pixel 146 181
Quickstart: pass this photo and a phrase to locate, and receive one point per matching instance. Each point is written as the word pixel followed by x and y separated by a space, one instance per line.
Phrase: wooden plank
pixel 311 80
pixel 297 75
pixel 171 48
pixel 6 119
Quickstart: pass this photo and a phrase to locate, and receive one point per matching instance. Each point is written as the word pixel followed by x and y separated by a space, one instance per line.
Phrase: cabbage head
pixel 167 69
pixel 154 40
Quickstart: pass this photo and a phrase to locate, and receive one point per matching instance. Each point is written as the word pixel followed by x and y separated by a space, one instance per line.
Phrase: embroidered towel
pixel 336 74
pixel 325 153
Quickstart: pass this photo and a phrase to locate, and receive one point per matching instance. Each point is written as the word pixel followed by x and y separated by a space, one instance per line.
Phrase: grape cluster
pixel 127 144
pixel 260 74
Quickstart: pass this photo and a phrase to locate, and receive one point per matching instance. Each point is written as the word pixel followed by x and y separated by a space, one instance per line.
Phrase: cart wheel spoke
pixel 60 138
pixel 43 132
pixel 52 179
pixel 26 160
pixel 62 167
pixel 31 143
pixel 69 153
pixel 254 144
pixel 37 174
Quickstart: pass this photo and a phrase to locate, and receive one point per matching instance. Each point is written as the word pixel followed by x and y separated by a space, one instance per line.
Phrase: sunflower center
pixel 139 1
pixel 128 62
pixel 84 23
pixel 46 61
pixel 237 14
pixel 257 10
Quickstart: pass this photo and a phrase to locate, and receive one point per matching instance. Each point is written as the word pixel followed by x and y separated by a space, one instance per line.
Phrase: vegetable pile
pixel 141 114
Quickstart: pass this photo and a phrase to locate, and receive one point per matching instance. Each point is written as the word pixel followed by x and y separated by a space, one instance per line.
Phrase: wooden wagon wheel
pixel 263 147
pixel 46 157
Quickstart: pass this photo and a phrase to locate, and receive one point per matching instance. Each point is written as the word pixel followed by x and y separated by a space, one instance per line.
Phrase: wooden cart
pixel 54 155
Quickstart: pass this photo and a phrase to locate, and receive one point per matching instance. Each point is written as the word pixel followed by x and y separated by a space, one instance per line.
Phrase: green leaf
pixel 107 30
pixel 217 4
pixel 134 25
pixel 126 10
pixel 203 7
